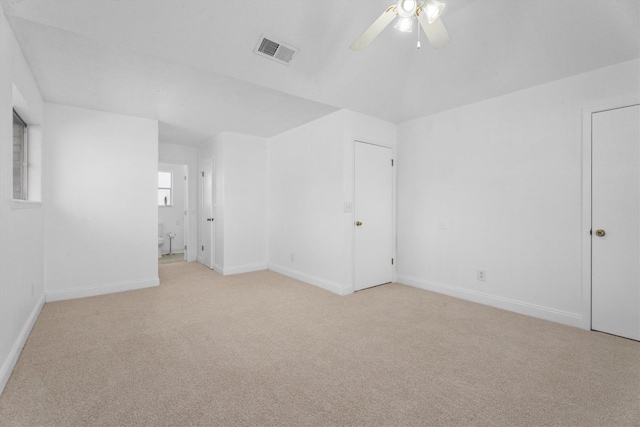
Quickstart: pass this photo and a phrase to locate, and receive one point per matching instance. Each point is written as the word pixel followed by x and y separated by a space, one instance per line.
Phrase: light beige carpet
pixel 261 349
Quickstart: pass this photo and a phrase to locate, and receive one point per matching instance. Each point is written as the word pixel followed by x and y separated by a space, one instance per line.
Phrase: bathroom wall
pixel 100 202
pixel 173 217
pixel 21 223
pixel 186 155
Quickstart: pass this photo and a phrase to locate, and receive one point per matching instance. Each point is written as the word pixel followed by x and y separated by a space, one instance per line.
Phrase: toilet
pixel 160 240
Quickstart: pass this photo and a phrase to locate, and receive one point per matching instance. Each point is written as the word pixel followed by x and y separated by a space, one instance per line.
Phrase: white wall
pixel 240 164
pixel 245 203
pixel 504 179
pixel 310 179
pixel 186 155
pixel 172 217
pixel 21 224
pixel 100 202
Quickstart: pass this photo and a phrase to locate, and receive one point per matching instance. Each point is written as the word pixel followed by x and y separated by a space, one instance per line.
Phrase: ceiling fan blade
pixel 375 29
pixel 436 33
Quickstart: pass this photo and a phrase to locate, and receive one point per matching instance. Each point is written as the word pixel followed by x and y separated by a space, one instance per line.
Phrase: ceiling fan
pixel 426 11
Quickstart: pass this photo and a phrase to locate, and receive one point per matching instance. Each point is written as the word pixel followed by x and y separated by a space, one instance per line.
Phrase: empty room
pixel 328 213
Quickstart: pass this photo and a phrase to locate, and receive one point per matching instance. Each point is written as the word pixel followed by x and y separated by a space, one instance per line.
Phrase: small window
pixel 165 180
pixel 20 160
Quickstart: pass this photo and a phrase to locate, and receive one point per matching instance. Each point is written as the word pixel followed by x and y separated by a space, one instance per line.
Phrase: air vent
pixel 276 50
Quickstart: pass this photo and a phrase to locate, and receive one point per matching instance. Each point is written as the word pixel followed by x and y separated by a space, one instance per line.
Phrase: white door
pixel 373 213
pixel 615 245
pixel 207 217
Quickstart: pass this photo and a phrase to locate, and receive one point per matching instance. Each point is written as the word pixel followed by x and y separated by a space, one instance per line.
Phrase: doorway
pixel 173 210
pixel 615 221
pixel 373 214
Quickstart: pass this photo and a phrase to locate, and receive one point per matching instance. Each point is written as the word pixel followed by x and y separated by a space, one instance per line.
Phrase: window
pixel 20 160
pixel 165 180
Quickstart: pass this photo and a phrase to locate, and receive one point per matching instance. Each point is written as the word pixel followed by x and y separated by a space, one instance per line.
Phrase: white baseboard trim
pixel 12 358
pixel 217 268
pixel 546 313
pixel 312 280
pixel 244 268
pixel 107 288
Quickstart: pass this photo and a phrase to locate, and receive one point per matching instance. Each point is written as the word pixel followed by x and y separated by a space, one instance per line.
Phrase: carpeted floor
pixel 262 349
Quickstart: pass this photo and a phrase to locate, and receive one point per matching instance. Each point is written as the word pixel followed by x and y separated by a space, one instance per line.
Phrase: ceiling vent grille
pixel 275 50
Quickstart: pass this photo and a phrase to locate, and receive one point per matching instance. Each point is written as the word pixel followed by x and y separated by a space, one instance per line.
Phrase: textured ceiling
pixel 190 64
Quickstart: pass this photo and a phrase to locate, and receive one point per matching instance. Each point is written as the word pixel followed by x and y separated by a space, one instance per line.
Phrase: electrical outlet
pixel 481 275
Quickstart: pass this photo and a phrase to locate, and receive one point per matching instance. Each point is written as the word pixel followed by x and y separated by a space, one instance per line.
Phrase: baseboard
pixel 108 288
pixel 312 280
pixel 248 268
pixel 12 358
pixel 546 313
pixel 216 268
pixel 174 252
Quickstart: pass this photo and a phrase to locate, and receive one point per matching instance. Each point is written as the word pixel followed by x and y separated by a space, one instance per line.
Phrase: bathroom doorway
pixel 173 211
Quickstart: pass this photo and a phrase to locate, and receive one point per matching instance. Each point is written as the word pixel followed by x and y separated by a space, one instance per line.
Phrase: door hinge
pixel 185 212
pixel 391 261
pixel 203 247
pixel 185 247
pixel 391 162
pixel 185 178
pixel 202 173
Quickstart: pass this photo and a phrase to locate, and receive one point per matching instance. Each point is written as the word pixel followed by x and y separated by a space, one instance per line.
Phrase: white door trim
pixel 585 228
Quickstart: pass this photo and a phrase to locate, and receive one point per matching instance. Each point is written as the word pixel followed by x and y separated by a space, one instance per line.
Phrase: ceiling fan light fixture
pixel 406 8
pixel 404 24
pixel 433 9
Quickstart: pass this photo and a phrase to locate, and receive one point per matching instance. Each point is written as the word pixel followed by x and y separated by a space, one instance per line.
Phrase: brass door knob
pixel 600 233
pixel 358 223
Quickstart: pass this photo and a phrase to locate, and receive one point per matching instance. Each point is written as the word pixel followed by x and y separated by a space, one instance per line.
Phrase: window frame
pixel 24 164
pixel 170 188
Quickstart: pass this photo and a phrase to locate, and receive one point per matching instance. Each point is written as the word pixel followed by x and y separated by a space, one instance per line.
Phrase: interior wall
pixel 21 224
pixel 497 186
pixel 100 205
pixel 172 217
pixel 245 203
pixel 240 163
pixel 306 202
pixel 310 179
pixel 186 155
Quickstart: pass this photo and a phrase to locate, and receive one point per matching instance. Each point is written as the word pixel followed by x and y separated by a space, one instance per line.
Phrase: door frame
pixel 585 229
pixel 352 217
pixel 185 208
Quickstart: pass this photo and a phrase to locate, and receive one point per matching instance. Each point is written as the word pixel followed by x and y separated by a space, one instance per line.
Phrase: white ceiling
pixel 190 64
